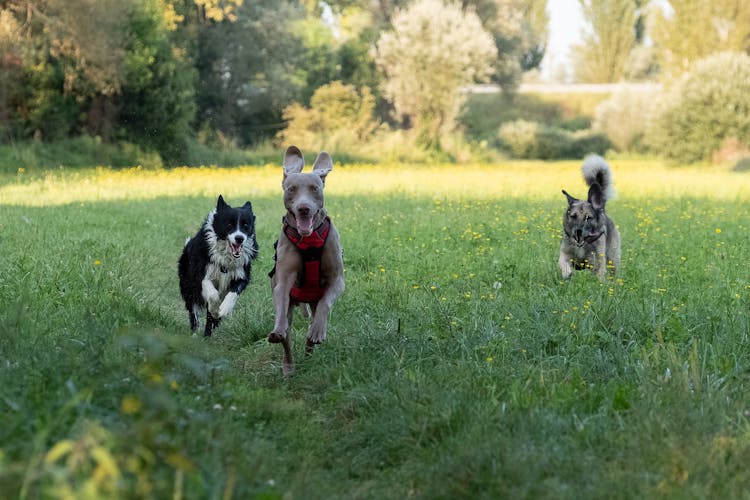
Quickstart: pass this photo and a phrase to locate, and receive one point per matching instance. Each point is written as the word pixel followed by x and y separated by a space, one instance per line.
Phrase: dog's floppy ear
pixel 293 161
pixel 220 204
pixel 323 165
pixel 570 198
pixel 596 196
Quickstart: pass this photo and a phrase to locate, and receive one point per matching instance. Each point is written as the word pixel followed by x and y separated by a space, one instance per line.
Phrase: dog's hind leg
pixel 211 323
pixel 313 306
pixel 193 318
pixel 287 366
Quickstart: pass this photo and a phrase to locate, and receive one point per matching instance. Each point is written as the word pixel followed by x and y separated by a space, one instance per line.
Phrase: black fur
pixel 221 253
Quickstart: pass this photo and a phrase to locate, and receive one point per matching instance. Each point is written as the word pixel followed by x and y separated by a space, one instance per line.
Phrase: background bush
pixel 524 139
pixel 483 114
pixel 625 117
pixel 708 106
pixel 339 116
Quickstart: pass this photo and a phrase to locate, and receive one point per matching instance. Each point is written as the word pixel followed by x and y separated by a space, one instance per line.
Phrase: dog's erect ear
pixel 596 196
pixel 323 165
pixel 570 198
pixel 293 161
pixel 248 206
pixel 220 204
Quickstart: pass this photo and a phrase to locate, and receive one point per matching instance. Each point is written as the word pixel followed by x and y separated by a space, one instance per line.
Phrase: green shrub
pixel 552 143
pixel 709 105
pixel 576 123
pixel 339 115
pixel 625 118
pixel 519 138
pixel 527 140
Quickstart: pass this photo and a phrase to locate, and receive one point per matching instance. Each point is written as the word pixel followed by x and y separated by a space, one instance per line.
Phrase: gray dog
pixel 590 239
pixel 309 266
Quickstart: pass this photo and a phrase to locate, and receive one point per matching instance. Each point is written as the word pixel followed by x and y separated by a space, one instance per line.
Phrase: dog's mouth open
pixel 304 224
pixel 593 236
pixel 581 238
pixel 235 249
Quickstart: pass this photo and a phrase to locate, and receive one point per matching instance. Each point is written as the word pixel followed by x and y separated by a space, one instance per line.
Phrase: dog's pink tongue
pixel 304 226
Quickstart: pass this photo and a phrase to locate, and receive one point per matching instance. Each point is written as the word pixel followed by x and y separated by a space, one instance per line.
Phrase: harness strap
pixel 315 240
pixel 308 287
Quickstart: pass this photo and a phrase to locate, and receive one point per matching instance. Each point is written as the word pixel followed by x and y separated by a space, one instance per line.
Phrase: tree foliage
pixel 434 49
pixel 248 69
pixel 156 105
pixel 165 74
pixel 519 30
pixel 604 51
pixel 101 67
pixel 159 73
pixel 692 29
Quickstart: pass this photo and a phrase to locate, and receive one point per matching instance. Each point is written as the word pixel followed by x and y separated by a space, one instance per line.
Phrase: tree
pixel 157 103
pixel 434 49
pixel 603 54
pixel 519 29
pixel 11 69
pixel 85 36
pixel 693 29
pixel 249 69
pixel 101 67
pixel 63 54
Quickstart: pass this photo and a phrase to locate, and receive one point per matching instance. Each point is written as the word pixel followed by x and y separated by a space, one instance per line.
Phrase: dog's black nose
pixel 239 239
pixel 303 211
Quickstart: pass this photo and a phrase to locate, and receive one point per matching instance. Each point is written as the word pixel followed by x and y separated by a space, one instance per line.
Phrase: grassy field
pixel 458 365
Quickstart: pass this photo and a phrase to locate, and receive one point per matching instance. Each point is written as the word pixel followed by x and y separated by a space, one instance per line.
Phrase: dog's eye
pixel 292 189
pixel 573 215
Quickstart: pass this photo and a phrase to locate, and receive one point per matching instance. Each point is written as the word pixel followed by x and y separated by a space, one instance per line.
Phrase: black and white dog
pixel 215 265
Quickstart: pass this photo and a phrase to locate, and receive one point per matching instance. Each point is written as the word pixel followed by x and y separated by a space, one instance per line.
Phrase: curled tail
pixel 596 170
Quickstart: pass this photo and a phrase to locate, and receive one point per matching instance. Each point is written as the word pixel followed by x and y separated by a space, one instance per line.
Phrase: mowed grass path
pixel 458 365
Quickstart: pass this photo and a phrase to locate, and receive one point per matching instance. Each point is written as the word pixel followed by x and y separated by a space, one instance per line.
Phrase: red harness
pixel 308 289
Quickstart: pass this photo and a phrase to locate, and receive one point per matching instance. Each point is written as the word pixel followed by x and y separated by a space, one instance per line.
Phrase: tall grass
pixel 458 363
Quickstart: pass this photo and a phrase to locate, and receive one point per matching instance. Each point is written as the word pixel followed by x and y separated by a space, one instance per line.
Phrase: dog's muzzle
pixel 235 246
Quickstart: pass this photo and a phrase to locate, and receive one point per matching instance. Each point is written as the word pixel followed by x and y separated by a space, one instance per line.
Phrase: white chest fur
pixel 221 280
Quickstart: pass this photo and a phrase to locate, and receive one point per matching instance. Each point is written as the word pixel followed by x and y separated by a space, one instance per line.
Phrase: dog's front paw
pixel 316 334
pixel 228 304
pixel 566 269
pixel 276 337
pixel 213 307
pixel 209 292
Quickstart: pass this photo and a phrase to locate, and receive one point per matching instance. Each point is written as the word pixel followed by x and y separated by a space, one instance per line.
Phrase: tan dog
pixel 590 239
pixel 309 265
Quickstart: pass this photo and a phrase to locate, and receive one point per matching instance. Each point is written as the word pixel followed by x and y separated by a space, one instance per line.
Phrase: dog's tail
pixel 596 170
